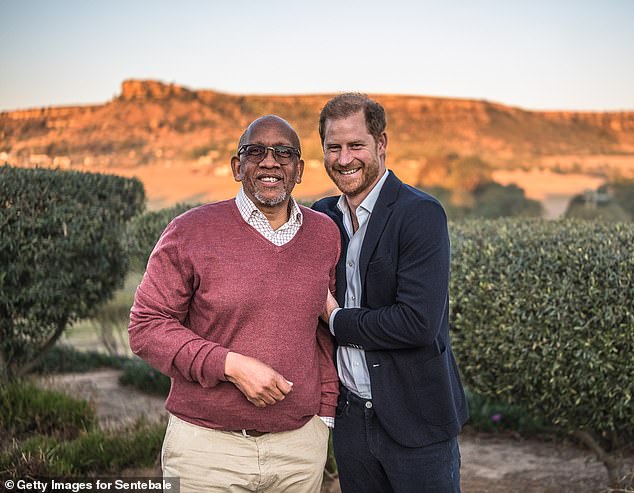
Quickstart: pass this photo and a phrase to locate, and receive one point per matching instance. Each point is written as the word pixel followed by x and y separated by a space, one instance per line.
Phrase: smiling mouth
pixel 349 172
pixel 269 179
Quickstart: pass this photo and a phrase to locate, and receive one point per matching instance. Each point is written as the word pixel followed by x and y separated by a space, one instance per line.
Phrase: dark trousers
pixel 369 461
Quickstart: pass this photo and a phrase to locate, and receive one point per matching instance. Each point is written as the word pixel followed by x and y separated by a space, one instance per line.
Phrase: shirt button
pixel 368 404
pixel 350 263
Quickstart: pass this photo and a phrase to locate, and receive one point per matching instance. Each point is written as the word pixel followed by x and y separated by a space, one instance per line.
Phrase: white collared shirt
pixel 351 363
pixel 256 218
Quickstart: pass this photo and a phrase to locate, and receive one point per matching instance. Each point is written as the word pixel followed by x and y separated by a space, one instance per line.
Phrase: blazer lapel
pixel 378 219
pixel 337 216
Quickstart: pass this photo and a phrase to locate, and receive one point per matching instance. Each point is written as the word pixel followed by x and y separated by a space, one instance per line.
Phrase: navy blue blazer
pixel 403 322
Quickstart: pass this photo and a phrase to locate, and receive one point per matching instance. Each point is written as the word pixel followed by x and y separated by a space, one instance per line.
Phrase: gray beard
pixel 271 202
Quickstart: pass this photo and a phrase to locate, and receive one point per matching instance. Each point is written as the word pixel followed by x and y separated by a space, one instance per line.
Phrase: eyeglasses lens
pixel 256 153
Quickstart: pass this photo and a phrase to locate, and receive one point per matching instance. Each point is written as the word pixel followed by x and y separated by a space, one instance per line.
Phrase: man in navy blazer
pixel 402 403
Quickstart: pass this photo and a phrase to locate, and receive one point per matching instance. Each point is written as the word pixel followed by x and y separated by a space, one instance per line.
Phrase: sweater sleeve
pixel 161 304
pixel 325 344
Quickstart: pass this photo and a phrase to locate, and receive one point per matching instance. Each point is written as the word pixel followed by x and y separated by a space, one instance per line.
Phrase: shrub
pixel 112 318
pixel 542 317
pixel 579 208
pixel 61 254
pixel 144 230
pixel 139 374
pixel 96 452
pixel 489 415
pixel 66 359
pixel 26 409
pixel 493 201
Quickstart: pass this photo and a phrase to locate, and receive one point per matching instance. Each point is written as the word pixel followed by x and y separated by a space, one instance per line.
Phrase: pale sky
pixel 535 54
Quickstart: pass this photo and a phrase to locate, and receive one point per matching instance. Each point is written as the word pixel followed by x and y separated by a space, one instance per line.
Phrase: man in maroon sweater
pixel 228 308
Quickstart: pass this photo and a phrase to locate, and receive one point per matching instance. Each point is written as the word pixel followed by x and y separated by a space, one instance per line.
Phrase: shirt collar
pixel 247 208
pixel 369 202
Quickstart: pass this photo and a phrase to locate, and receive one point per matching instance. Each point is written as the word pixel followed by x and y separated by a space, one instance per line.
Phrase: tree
pixel 493 200
pixel 603 204
pixel 61 254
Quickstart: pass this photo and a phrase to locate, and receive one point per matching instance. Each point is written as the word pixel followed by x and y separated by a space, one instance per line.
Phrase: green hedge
pixel 144 230
pixel 542 316
pixel 61 254
pixel 139 374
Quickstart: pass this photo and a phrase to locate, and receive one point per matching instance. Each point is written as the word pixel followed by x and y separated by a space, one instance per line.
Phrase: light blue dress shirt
pixel 351 364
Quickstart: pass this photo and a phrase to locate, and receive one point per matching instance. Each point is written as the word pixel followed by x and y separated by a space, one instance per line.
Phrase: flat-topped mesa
pixel 135 89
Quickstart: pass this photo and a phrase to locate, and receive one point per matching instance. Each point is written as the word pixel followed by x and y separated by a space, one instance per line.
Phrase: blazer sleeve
pixel 415 315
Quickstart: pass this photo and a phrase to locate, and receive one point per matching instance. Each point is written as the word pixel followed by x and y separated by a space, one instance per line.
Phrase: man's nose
pixel 345 157
pixel 269 160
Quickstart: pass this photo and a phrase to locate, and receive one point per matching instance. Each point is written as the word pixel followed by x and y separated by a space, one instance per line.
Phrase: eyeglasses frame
pixel 297 152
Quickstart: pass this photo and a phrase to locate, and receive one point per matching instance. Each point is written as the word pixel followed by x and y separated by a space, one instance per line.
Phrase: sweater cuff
pixel 214 367
pixel 327 410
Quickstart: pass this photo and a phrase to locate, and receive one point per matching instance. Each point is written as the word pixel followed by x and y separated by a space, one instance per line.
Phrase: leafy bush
pixel 61 254
pixel 66 359
pixel 493 201
pixel 623 191
pixel 96 452
pixel 144 230
pixel 580 208
pixel 112 318
pixel 139 374
pixel 489 415
pixel 26 409
pixel 542 317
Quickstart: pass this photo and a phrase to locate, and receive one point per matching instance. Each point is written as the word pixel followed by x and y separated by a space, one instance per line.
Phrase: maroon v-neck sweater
pixel 213 284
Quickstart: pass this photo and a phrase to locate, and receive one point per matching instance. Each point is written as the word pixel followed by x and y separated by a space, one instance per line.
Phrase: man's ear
pixel 235 168
pixel 382 144
pixel 300 171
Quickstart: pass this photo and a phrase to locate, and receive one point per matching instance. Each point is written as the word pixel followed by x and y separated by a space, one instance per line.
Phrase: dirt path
pixel 490 463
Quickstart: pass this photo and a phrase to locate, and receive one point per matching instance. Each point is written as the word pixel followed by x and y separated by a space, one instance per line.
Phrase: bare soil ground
pixel 490 463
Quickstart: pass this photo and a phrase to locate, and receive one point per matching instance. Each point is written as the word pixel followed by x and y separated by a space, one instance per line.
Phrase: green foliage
pixel 542 317
pixel 66 359
pixel 137 373
pixel 95 452
pixel 61 254
pixel 489 415
pixel 489 200
pixel 493 201
pixel 112 318
pixel 27 409
pixel 144 230
pixel 613 201
pixel 580 208
pixel 623 191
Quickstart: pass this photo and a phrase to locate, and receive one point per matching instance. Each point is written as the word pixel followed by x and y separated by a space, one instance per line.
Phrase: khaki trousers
pixel 208 460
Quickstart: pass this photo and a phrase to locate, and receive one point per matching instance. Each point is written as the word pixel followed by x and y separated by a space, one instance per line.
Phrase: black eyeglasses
pixel 256 153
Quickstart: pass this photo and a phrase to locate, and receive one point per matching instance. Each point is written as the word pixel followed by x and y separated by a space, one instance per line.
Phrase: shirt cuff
pixel 331 320
pixel 328 421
